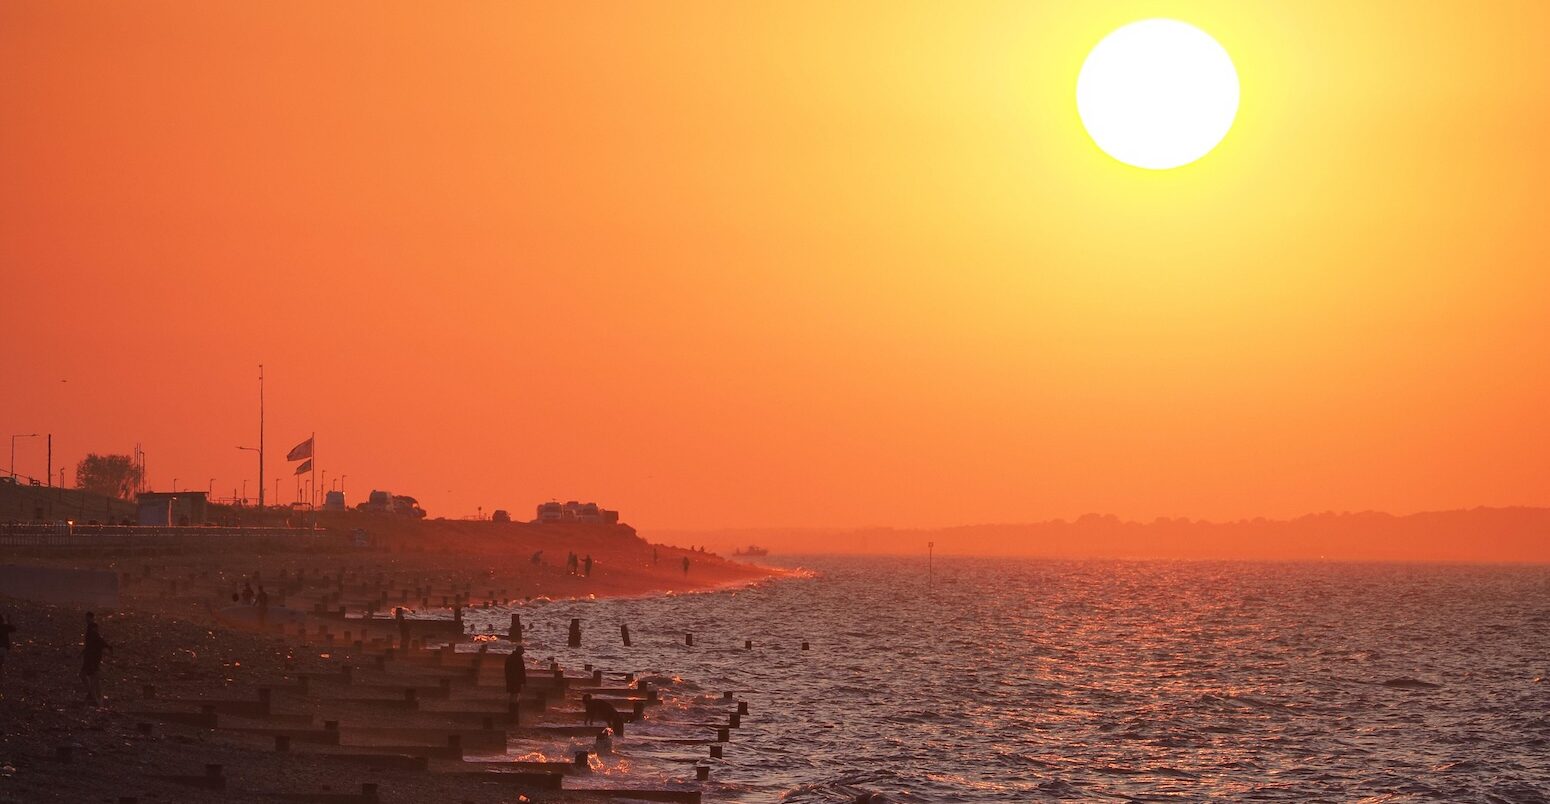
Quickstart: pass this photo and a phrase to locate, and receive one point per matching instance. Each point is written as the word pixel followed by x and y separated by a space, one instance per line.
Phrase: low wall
pixel 97 588
pixel 62 535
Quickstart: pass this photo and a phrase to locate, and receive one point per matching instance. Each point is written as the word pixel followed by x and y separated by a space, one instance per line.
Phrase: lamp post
pixel 13 449
pixel 210 490
pixel 174 485
pixel 260 477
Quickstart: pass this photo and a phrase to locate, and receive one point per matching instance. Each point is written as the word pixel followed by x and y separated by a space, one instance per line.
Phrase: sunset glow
pixel 783 264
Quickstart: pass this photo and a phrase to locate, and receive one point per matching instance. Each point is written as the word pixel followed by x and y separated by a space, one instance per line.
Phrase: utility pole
pixel 49 475
pixel 261 439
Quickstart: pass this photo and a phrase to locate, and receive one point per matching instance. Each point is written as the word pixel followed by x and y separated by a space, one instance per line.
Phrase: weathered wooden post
pixel 747 644
pixel 742 707
pixel 575 632
pixel 701 772
pixel 715 752
pixel 689 638
pixel 515 635
pixel 723 734
pixel 624 634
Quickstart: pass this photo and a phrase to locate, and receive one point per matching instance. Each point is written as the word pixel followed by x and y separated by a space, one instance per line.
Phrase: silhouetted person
pixel 588 565
pixel 91 660
pixel 403 628
pixel 262 601
pixel 6 629
pixel 686 566
pixel 516 671
pixel 247 593
pixel 538 558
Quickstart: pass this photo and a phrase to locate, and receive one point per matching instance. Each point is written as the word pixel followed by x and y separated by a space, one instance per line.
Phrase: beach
pixel 182 646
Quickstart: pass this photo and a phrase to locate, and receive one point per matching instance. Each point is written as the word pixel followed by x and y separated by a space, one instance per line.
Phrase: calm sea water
pixel 1022 680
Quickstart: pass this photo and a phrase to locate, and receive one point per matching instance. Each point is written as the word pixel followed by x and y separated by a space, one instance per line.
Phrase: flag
pixel 302 450
pixel 305 467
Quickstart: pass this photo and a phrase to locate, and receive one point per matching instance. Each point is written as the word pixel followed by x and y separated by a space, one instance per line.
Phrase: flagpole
pixel 312 481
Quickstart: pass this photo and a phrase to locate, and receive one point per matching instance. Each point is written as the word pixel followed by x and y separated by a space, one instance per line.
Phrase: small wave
pixel 1407 683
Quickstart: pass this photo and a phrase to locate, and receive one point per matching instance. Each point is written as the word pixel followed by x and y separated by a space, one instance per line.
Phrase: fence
pixel 63 534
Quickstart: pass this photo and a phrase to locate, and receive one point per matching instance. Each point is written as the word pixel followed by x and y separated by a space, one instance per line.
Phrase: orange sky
pixel 779 263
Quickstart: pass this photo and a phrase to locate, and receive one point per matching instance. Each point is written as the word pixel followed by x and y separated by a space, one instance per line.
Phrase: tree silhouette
pixel 108 475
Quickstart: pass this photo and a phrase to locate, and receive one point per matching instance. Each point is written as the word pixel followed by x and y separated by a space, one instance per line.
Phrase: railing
pixel 64 534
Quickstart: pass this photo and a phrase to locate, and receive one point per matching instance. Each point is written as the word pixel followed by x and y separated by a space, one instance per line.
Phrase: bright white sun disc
pixel 1157 94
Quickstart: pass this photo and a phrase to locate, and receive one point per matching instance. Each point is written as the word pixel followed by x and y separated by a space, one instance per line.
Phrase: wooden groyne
pixel 417 695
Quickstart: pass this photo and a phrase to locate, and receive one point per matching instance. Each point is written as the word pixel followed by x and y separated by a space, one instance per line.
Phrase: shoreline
pixel 176 630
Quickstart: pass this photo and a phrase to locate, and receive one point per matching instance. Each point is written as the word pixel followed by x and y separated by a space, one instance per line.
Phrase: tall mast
pixel 260 436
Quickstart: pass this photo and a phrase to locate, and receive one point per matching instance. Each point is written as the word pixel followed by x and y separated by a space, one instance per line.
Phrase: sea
pixel 981 679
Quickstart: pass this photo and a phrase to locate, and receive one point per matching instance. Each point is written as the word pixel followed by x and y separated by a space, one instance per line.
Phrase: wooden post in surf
pixel 624 634
pixel 516 628
pixel 689 638
pixel 575 632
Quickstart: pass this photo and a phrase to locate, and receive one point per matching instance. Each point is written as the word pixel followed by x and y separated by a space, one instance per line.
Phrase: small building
pixel 167 508
pixel 575 511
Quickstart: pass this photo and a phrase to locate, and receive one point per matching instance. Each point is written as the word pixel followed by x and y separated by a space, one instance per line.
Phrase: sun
pixel 1157 94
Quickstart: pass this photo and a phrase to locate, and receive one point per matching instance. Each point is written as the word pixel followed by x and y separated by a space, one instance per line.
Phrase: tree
pixel 108 475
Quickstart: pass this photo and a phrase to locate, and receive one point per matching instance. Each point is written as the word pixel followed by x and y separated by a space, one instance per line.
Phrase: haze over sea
pixel 1018 680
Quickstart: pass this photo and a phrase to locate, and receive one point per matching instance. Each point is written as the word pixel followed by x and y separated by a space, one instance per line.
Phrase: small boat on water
pixel 751 550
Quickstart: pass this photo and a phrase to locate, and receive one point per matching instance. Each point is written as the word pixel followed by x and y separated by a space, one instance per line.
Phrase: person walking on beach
pixel 516 671
pixel 403 628
pixel 588 565
pixel 262 601
pixel 247 593
pixel 538 558
pixel 91 660
pixel 6 629
pixel 686 566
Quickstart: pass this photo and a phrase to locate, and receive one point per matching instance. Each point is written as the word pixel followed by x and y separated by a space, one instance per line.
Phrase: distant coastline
pixel 1478 535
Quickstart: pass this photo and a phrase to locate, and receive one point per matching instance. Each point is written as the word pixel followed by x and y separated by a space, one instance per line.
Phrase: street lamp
pixel 13 449
pixel 210 490
pixel 260 475
pixel 174 485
